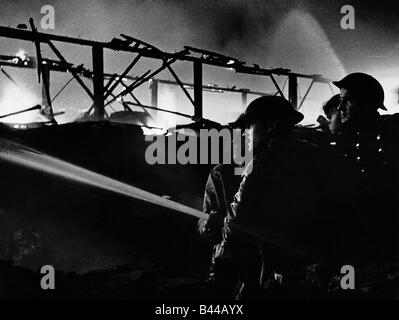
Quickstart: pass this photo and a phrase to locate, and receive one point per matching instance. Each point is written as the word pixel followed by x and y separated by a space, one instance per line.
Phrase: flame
pixel 167 98
pixel 15 99
pixel 22 54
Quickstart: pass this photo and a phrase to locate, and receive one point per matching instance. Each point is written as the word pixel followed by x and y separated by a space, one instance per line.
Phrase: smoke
pixel 255 31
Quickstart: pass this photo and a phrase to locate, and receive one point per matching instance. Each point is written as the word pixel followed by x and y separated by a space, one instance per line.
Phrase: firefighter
pixel 369 142
pixel 293 200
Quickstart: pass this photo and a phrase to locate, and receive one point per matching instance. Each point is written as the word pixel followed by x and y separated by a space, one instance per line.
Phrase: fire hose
pixel 27 157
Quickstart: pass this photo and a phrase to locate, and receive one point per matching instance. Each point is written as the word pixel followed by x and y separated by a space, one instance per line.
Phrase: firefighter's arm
pixel 212 226
pixel 241 208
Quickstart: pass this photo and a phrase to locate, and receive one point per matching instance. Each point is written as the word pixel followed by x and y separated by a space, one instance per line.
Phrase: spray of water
pixel 29 158
pixel 300 43
pixel 18 154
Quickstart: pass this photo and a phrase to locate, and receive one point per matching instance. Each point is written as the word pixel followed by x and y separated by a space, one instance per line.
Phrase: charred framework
pixel 103 95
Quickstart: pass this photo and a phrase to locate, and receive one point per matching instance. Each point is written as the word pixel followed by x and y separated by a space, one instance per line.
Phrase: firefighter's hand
pixel 214 227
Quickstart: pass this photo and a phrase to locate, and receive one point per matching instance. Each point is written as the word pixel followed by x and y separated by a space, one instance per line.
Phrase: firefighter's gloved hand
pixel 214 227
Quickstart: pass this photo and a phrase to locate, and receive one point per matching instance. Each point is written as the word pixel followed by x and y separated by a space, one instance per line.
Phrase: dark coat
pixel 220 188
pixel 372 150
pixel 300 198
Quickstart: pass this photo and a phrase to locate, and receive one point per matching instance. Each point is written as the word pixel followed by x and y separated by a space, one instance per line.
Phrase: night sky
pixel 304 36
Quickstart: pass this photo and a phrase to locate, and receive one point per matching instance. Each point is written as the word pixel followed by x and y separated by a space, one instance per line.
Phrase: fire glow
pixel 14 99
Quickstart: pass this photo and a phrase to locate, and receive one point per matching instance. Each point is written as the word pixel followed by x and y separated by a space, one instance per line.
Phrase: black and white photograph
pixel 199 155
